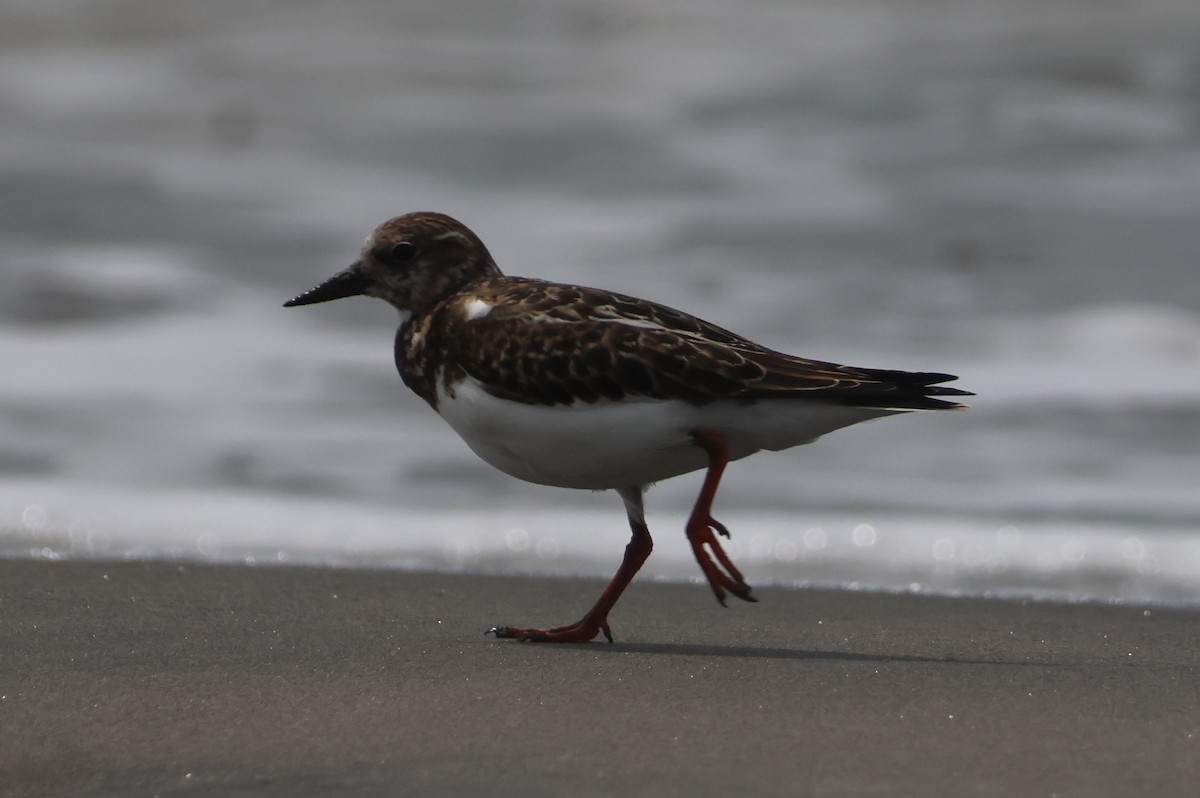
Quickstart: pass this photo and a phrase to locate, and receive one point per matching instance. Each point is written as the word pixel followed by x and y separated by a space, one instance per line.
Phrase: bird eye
pixel 400 252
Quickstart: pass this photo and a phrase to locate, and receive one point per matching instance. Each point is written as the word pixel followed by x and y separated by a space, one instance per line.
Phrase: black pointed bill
pixel 350 282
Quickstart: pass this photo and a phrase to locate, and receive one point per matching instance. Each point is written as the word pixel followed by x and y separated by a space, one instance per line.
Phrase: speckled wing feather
pixel 553 344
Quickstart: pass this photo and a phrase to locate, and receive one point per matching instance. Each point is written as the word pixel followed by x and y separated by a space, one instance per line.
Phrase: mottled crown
pixel 416 260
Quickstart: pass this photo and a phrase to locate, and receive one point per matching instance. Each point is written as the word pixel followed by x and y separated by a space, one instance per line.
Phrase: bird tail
pixel 906 390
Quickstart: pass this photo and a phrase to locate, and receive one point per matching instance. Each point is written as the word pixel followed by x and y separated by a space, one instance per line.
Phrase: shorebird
pixel 584 388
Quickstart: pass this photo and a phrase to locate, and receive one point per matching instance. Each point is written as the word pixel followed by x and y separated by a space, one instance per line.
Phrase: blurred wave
pixel 1003 191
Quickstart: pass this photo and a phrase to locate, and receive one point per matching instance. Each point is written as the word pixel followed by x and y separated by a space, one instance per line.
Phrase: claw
pixel 580 632
pixel 717 525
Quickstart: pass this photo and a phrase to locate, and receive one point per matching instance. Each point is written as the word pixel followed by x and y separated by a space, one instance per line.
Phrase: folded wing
pixel 587 345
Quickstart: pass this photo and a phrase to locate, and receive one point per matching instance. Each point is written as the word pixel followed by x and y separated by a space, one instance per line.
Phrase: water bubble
pixel 785 550
pixel 98 541
pixel 517 539
pixel 863 535
pixel 34 517
pixel 760 546
pixel 1073 550
pixel 466 549
pixel 943 550
pixel 208 544
pixel 78 536
pixel 1008 536
pixel 815 538
pixel 546 548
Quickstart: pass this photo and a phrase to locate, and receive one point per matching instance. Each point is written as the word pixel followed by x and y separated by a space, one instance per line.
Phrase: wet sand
pixel 165 679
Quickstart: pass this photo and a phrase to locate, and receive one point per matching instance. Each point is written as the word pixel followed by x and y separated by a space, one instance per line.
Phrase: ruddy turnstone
pixel 584 388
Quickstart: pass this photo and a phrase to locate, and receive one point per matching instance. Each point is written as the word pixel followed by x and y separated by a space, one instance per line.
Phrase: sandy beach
pixel 167 679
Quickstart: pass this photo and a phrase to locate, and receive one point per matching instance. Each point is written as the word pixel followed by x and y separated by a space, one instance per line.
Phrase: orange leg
pixel 722 575
pixel 596 619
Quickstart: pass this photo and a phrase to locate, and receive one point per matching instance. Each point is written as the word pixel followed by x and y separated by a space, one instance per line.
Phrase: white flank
pixel 633 442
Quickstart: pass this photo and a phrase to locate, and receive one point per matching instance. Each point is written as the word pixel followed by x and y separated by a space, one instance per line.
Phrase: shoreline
pixel 142 678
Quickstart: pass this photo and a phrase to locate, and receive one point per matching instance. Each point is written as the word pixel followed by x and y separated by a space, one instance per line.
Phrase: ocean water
pixel 1003 190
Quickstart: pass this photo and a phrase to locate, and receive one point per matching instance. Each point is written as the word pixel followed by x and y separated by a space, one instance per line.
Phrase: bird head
pixel 413 262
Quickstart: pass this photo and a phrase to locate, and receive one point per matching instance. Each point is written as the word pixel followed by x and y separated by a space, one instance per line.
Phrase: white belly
pixel 634 442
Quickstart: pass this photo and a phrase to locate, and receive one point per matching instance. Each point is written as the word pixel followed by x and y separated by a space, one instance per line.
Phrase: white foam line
pixel 938 555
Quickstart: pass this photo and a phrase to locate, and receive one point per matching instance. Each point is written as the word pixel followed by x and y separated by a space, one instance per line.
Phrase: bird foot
pixel 580 632
pixel 721 573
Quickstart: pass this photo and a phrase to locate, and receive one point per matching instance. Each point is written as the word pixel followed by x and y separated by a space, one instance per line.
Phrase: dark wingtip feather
pixel 907 390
